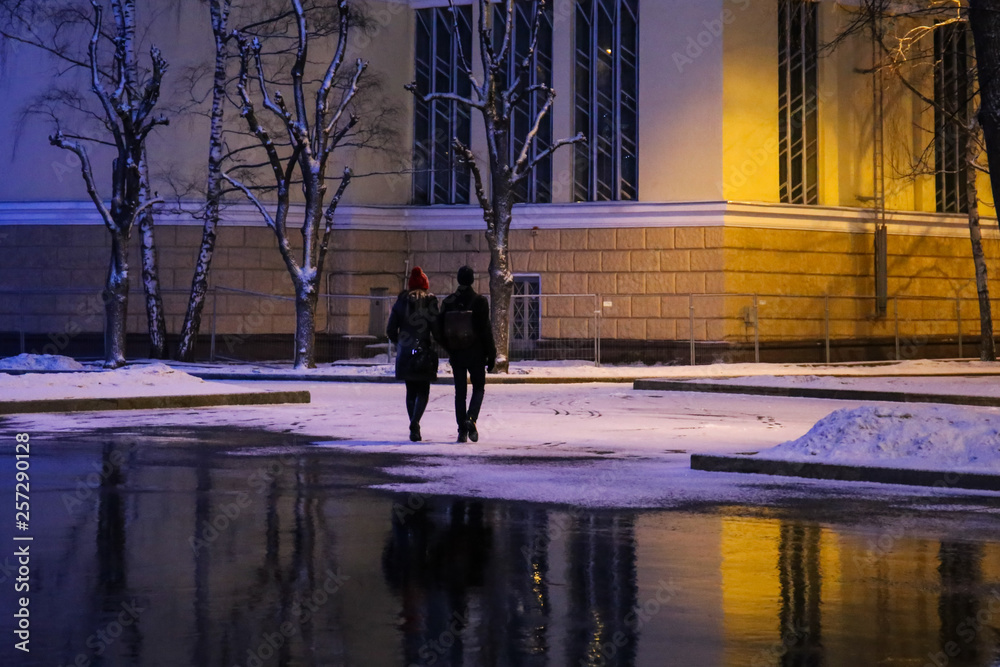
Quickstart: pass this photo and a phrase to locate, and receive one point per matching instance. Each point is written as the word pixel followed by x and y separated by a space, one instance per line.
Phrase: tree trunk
pixel 116 303
pixel 306 298
pixel 156 321
pixel 213 195
pixel 987 350
pixel 984 20
pixel 501 279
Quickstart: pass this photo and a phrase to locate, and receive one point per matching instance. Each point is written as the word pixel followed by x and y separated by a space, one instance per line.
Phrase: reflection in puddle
pixel 167 549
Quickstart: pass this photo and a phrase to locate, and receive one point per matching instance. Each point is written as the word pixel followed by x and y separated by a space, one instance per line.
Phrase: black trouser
pixel 477 373
pixel 417 395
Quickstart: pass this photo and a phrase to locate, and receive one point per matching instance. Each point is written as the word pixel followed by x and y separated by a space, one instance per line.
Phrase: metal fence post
pixel 215 310
pixel 756 330
pixel 895 315
pixel 20 311
pixel 826 327
pixel 958 315
pixel 691 324
pixel 597 330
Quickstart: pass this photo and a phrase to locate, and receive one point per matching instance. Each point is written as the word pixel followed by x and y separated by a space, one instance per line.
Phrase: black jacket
pixel 413 321
pixel 484 351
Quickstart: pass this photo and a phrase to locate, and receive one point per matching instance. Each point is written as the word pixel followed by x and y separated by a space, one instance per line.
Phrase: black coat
pixel 413 321
pixel 483 351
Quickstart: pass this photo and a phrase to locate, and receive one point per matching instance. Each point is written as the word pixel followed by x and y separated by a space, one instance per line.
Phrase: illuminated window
pixel 797 102
pixel 952 90
pixel 537 186
pixel 437 178
pixel 605 100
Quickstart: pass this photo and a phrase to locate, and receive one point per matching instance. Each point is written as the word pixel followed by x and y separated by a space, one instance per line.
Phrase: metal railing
pixel 243 325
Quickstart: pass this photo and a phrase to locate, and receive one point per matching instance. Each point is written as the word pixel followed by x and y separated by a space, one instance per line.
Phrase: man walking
pixel 468 338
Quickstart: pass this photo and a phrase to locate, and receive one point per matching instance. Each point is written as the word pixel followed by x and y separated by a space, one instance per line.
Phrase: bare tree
pixel 495 98
pixel 219 11
pixel 904 37
pixel 127 100
pixel 311 138
pixel 128 115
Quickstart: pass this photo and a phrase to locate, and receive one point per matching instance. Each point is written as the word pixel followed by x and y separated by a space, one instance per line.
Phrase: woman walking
pixel 412 323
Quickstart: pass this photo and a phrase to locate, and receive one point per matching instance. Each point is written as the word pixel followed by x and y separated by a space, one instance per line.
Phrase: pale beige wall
pixel 680 93
pixel 181 29
pixel 388 47
pixel 750 102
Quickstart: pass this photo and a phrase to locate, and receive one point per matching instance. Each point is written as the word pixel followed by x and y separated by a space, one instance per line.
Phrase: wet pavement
pixel 211 546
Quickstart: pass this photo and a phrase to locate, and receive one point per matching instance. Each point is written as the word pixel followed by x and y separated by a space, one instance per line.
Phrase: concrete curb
pixel 153 402
pixel 807 392
pixel 846 473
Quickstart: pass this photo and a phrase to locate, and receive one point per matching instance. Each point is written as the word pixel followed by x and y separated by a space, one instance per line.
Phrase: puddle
pixel 227 547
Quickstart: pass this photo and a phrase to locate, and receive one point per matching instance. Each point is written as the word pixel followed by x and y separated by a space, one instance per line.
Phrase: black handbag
pixel 423 359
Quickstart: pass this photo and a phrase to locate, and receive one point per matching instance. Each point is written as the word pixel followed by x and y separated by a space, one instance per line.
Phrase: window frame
pixel 798 101
pixel 437 176
pixel 952 48
pixel 606 165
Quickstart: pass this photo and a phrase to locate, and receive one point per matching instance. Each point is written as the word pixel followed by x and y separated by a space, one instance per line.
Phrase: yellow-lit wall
pixel 795 269
pixel 750 104
pixel 845 112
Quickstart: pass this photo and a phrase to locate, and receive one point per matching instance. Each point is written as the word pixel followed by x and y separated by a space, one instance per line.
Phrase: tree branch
pixel 451 97
pixel 59 140
pixel 352 90
pixel 467 158
pixel 323 94
pixel 549 151
pixel 253 199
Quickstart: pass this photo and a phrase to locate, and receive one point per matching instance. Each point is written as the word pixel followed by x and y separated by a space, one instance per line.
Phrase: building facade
pixel 728 192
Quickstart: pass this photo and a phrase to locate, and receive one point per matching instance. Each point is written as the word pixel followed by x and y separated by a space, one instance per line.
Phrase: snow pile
pixel 41 362
pixel 927 437
pixel 154 379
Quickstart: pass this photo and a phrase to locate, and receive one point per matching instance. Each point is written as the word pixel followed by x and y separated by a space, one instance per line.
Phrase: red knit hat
pixel 418 279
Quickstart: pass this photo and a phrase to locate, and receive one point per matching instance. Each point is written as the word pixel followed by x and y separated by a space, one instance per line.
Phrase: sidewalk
pixel 597 444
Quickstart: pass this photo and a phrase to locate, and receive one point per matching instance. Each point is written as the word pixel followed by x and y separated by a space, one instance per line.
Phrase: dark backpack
pixel 459 332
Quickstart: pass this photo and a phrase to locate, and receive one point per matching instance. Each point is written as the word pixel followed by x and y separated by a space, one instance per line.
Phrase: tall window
pixel 537 187
pixel 437 178
pixel 797 102
pixel 952 90
pixel 606 110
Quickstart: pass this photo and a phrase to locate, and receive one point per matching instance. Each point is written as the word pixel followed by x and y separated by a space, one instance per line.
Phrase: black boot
pixel 419 405
pixel 470 426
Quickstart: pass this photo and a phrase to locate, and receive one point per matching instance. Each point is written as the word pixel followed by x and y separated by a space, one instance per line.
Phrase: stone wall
pixel 639 279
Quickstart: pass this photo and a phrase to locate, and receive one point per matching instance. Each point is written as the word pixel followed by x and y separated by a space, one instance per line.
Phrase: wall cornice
pixel 596 215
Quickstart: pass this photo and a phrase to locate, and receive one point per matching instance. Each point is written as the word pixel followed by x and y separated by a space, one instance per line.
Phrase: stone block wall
pixel 73 260
pixel 639 279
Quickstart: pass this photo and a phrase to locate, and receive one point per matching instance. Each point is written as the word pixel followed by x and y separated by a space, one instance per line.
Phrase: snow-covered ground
pixel 154 379
pixel 595 444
